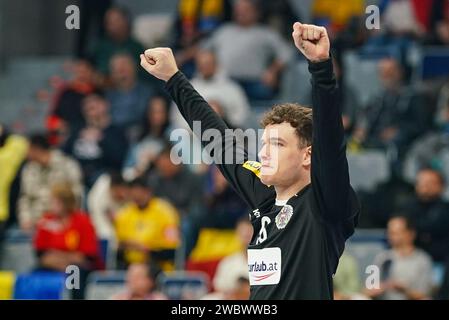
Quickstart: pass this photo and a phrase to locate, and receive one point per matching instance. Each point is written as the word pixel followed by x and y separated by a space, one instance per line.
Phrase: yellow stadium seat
pixel 215 244
pixel 7 280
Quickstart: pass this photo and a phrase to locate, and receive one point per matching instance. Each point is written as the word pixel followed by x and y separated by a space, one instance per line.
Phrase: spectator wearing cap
pixel 44 168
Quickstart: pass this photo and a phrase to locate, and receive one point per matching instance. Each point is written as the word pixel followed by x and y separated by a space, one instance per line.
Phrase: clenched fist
pixel 159 62
pixel 312 41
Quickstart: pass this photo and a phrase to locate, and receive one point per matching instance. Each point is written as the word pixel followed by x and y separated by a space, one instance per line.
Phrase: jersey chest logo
pixel 284 216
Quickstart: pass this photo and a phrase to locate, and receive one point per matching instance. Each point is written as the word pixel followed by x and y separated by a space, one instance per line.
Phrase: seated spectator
pixel 177 184
pixel 128 97
pixel 234 267
pixel 66 109
pixel 196 20
pixel 213 84
pixel 150 143
pixel 347 280
pixel 99 146
pixel 117 39
pixel 431 150
pixel 13 150
pixel 405 271
pixel 108 195
pixel 223 206
pixel 147 229
pixel 65 236
pixel 140 284
pixel 396 116
pixel 44 168
pixel 236 44
pixel 430 214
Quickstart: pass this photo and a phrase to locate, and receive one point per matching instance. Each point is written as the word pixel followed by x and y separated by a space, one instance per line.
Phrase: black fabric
pixel 324 213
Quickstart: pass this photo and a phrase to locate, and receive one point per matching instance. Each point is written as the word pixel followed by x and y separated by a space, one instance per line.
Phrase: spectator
pixel 108 195
pixel 128 96
pixel 65 236
pixel 280 16
pixel 430 213
pixel 13 150
pixel 150 142
pixel 118 39
pixel 213 84
pixel 196 20
pixel 99 146
pixel 223 207
pixel 140 284
pixel 177 184
pixel 235 266
pixel 91 24
pixel 406 271
pixel 431 150
pixel 347 280
pixel 66 110
pixel 252 54
pixel 395 117
pixel 147 228
pixel 45 167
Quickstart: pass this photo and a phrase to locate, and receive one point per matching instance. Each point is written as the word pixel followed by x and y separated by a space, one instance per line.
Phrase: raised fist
pixel 159 62
pixel 312 41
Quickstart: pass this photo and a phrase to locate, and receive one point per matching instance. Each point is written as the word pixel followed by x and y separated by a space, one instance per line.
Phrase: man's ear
pixel 307 158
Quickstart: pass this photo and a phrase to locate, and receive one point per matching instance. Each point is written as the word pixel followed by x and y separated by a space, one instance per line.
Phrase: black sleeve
pixel 242 176
pixel 330 174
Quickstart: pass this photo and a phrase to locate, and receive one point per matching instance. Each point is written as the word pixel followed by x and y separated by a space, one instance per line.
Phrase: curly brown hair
pixel 299 117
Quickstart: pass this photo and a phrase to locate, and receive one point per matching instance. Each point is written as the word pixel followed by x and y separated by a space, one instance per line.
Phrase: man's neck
pixel 285 193
pixel 405 250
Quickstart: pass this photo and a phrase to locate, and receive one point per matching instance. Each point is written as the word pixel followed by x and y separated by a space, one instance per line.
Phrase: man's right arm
pixel 194 108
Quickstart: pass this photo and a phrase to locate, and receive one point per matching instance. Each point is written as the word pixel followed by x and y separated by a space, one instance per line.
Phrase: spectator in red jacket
pixel 65 236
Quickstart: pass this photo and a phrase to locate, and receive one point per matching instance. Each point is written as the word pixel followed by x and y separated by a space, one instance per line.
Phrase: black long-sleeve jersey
pixel 296 246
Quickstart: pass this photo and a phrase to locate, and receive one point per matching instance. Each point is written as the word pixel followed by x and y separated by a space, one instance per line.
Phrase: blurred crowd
pixel 102 170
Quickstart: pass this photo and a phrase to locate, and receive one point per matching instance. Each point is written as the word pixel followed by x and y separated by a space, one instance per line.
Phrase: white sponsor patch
pixel 264 266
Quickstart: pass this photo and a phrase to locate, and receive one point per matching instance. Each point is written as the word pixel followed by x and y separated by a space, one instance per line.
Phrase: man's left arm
pixel 329 169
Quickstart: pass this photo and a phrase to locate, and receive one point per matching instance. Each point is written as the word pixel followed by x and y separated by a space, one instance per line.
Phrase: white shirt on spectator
pixel 229 270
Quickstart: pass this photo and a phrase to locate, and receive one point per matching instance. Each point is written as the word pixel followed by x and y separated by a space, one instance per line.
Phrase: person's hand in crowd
pixel 312 41
pixel 159 62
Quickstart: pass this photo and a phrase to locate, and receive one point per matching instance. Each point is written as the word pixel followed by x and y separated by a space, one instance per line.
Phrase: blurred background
pixel 85 172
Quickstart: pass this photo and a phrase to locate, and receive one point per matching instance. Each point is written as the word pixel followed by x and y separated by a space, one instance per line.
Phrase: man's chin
pixel 267 179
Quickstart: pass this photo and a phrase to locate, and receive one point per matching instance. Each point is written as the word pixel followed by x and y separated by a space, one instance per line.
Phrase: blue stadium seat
pixel 434 63
pixel 102 285
pixel 184 285
pixel 40 285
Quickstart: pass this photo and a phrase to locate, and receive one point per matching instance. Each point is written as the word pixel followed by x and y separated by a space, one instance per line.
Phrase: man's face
pixel 39 155
pixel 428 185
pixel 398 234
pixel 115 24
pixel 94 107
pixel 165 166
pixel 206 64
pixel 390 73
pixel 157 112
pixel 284 162
pixel 120 193
pixel 140 195
pixel 123 69
pixel 138 281
pixel 83 72
pixel 245 13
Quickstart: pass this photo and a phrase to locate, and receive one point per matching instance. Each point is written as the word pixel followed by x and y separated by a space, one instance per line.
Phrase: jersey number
pixel 263 230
